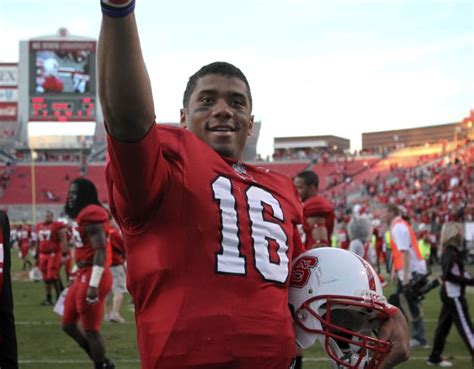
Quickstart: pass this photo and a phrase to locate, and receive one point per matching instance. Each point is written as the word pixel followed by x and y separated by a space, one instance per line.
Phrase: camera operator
pixel 454 304
pixel 408 265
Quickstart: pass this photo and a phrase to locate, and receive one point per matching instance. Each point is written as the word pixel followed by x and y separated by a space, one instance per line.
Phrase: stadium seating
pixel 287 168
pixel 51 183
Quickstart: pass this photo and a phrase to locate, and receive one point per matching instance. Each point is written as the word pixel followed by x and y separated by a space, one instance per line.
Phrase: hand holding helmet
pixel 337 299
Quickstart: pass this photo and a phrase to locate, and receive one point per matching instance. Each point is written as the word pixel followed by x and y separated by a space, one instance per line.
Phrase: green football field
pixel 43 345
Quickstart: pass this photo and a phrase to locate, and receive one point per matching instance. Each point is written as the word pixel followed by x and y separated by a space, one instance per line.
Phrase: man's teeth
pixel 222 129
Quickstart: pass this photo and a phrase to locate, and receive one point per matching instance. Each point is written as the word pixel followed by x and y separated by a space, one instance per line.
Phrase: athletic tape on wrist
pixel 96 275
pixel 117 10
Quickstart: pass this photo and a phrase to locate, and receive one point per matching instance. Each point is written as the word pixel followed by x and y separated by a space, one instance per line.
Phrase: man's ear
pixel 182 118
pixel 251 125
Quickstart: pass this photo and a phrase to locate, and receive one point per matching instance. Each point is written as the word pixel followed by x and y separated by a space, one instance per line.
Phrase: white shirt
pixel 401 236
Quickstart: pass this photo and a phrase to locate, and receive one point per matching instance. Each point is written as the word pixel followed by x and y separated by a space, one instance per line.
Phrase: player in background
pixel 49 81
pixel 66 259
pixel 86 295
pixel 24 240
pixel 203 230
pixel 8 344
pixel 318 213
pixel 51 240
pixel 117 268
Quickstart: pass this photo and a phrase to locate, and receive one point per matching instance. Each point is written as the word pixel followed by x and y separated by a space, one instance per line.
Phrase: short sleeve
pixel 92 214
pixel 318 207
pixel 137 173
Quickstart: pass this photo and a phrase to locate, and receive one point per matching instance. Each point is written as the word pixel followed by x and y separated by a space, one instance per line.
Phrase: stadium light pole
pixel 34 156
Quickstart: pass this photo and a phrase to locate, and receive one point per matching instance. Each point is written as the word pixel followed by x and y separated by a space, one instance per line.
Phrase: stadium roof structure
pixel 448 132
pixel 64 35
pixel 303 142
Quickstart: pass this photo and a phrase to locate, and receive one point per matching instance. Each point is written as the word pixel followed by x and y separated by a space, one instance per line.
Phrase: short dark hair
pixel 87 195
pixel 394 209
pixel 220 68
pixel 309 178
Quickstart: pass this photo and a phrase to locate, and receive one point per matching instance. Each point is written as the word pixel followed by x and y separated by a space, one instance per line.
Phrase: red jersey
pixel 209 244
pixel 48 237
pixel 317 206
pixel 53 84
pixel 118 248
pixel 83 248
pixel 24 235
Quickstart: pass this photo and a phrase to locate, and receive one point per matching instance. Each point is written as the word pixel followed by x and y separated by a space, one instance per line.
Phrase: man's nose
pixel 222 109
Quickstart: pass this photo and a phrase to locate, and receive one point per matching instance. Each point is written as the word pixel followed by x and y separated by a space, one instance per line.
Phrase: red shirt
pixel 48 237
pixel 210 286
pixel 117 246
pixel 317 206
pixel 24 234
pixel 89 215
pixel 53 84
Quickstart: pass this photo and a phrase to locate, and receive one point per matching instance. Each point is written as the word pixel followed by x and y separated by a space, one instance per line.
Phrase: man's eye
pixel 206 100
pixel 237 102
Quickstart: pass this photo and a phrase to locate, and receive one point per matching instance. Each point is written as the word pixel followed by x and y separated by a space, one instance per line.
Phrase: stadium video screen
pixel 62 68
pixel 65 72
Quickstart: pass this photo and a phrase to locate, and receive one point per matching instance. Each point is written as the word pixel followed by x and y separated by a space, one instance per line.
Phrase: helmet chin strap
pixel 351 358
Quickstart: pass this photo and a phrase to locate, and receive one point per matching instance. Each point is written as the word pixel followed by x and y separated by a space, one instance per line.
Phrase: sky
pixel 316 67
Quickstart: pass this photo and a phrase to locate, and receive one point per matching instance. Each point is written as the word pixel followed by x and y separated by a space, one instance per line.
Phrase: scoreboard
pixel 62 109
pixel 62 81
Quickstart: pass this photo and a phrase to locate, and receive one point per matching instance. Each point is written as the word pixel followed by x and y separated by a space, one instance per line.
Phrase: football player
pixel 92 282
pixel 318 212
pixel 117 268
pixel 51 239
pixel 24 239
pixel 209 238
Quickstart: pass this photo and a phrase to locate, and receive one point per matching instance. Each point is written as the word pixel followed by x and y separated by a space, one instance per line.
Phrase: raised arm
pixel 124 86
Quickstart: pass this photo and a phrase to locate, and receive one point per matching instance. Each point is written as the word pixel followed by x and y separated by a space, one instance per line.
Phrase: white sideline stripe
pixel 465 326
pixel 58 323
pixel 316 359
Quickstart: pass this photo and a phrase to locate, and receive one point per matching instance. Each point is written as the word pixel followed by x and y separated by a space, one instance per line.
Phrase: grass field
pixel 43 345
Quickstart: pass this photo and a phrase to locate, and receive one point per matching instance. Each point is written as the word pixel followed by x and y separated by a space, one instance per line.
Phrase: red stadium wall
pixel 54 179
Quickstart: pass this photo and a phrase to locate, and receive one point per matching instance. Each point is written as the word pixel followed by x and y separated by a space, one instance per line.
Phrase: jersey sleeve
pixel 57 226
pixel 317 208
pixel 92 214
pixel 116 241
pixel 137 173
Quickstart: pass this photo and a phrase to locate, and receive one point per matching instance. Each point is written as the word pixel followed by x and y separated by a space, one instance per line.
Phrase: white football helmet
pixel 336 298
pixel 51 67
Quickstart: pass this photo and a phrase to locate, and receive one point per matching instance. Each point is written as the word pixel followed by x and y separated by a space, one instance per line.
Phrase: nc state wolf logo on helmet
pixel 302 271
